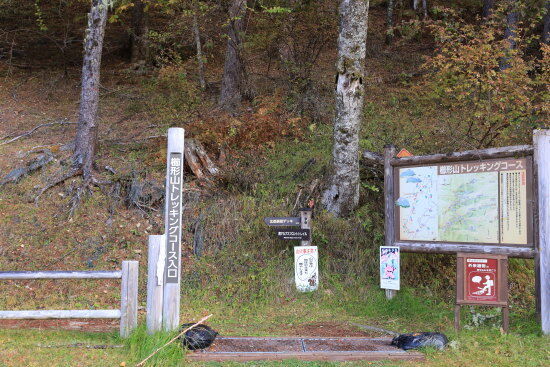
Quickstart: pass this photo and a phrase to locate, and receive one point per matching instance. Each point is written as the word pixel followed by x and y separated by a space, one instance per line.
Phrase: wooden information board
pixel 479 201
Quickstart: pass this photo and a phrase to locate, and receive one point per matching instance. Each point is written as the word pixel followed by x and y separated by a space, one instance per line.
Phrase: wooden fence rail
pixel 19 275
pixel 128 303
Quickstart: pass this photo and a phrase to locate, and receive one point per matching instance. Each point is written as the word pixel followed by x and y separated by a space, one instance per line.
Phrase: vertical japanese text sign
pixel 173 213
pixel 173 225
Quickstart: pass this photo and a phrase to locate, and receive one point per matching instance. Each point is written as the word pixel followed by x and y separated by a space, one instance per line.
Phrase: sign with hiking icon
pixel 481 275
pixel 482 279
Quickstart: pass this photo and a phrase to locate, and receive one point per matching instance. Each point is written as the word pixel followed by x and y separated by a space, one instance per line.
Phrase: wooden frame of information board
pixel 523 153
pixel 538 226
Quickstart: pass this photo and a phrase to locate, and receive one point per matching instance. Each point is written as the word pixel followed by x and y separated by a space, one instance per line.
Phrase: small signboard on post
pixel 482 280
pixel 282 221
pixel 306 268
pixel 389 267
pixel 294 234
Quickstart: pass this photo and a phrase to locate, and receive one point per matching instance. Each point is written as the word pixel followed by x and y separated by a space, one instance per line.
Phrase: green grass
pixel 28 348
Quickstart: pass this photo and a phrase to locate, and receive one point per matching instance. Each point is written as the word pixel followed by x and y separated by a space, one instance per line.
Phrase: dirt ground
pixel 326 329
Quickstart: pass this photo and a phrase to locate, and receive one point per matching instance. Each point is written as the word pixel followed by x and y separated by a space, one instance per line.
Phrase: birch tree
pixel 342 195
pixel 234 78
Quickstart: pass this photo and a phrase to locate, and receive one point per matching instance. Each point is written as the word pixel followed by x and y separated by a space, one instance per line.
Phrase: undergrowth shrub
pixel 169 98
pixel 500 89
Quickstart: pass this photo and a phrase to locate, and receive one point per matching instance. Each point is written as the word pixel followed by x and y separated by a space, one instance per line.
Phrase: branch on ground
pixel 59 178
pixel 31 131
pixel 35 164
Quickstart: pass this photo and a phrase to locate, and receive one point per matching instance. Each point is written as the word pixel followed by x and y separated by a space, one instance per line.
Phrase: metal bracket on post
pixel 389 218
pixel 172 217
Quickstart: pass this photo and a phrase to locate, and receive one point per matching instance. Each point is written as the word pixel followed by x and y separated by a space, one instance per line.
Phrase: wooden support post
pixel 155 282
pixel 541 145
pixel 172 218
pixel 129 297
pixel 505 319
pixel 305 223
pixel 389 225
pixel 457 317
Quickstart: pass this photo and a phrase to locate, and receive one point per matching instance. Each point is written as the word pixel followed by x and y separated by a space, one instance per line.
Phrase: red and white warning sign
pixel 481 279
pixel 306 267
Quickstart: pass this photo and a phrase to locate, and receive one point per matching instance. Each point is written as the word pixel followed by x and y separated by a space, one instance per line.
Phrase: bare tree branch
pixel 31 131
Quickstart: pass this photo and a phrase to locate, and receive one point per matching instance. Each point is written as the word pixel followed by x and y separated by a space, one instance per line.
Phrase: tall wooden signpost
pixel 164 272
pixel 172 225
pixel 493 202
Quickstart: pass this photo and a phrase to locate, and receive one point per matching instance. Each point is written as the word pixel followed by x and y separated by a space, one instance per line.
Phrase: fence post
pixel 541 145
pixel 172 218
pixel 155 282
pixel 389 224
pixel 129 298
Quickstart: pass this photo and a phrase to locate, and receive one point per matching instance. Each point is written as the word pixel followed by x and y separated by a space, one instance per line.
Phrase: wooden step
pixel 302 348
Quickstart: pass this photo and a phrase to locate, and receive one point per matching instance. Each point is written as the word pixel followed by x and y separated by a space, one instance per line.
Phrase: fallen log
pixel 196 158
pixel 15 175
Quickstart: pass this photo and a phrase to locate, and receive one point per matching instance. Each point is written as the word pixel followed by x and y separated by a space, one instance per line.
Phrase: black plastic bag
pixel 199 337
pixel 420 340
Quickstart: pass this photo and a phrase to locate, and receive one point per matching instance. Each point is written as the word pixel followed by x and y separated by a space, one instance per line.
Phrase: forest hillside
pixel 253 85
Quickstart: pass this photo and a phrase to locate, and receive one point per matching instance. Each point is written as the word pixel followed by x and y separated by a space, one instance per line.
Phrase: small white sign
pixel 390 272
pixel 306 268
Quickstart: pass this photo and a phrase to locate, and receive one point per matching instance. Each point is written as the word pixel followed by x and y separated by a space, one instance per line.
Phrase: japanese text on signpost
pixel 173 242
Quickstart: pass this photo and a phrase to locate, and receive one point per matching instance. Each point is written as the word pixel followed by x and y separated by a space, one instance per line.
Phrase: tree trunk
pixel 510 33
pixel 546 26
pixel 233 81
pixel 487 10
pixel 200 60
pixel 389 22
pixel 425 8
pixel 342 194
pixel 86 133
pixel 139 37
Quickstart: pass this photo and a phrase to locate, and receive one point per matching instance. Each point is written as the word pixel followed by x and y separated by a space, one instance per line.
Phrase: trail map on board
pixel 471 202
